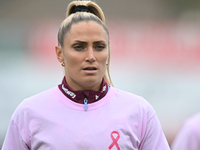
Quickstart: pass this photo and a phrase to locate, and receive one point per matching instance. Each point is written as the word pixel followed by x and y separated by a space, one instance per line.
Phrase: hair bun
pixel 81 8
pixel 85 6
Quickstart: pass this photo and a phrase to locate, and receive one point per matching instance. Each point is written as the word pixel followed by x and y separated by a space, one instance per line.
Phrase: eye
pixel 78 47
pixel 99 47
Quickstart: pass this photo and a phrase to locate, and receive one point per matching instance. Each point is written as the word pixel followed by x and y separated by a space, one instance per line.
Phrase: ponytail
pixel 92 8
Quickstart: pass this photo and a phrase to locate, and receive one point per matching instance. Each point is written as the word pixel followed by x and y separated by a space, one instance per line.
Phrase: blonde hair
pixel 95 14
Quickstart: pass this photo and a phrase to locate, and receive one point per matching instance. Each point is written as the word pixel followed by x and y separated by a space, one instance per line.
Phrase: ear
pixel 59 53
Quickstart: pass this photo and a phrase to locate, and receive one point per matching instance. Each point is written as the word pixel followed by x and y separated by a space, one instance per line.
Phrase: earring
pixel 63 64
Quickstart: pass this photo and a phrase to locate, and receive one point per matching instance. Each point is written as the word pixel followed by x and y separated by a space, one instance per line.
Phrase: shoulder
pixel 41 97
pixel 192 123
pixel 190 127
pixel 130 98
pixel 188 135
pixel 195 119
pixel 124 94
pixel 36 102
pixel 133 102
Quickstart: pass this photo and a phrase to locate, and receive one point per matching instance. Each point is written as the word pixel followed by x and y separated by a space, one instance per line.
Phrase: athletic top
pixel 188 137
pixel 119 121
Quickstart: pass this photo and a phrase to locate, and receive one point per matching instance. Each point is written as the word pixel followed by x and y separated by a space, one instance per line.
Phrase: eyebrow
pixel 99 42
pixel 78 41
pixel 83 42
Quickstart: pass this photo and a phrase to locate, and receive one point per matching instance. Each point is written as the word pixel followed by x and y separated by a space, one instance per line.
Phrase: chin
pixel 91 83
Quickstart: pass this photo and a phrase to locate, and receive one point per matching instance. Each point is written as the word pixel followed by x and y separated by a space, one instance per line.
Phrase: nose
pixel 90 55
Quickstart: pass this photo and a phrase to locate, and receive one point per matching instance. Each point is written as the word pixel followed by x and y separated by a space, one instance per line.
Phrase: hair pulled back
pixel 94 13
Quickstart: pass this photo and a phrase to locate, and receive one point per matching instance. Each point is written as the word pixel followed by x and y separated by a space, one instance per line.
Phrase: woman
pixel 84 112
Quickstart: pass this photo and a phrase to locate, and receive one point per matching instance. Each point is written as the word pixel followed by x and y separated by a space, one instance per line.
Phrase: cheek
pixel 71 66
pixel 103 59
pixel 106 57
pixel 72 60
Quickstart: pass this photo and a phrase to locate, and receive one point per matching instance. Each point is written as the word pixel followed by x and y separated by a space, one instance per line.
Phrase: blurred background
pixel 155 53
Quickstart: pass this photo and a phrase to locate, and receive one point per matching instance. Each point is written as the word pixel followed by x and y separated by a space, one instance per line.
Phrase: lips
pixel 90 68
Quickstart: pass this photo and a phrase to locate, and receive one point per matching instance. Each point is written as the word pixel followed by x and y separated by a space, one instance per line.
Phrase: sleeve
pixel 187 139
pixel 13 139
pixel 154 138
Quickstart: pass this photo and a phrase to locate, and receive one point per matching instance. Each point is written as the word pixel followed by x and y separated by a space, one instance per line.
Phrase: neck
pixel 84 86
pixel 79 95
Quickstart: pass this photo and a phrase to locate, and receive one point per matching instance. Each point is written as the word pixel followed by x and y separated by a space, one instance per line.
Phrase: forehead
pixel 87 28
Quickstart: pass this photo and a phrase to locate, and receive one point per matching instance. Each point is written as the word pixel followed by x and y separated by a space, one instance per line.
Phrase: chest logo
pixel 115 137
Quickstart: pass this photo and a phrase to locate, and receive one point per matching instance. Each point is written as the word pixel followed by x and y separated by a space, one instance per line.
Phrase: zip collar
pixel 83 97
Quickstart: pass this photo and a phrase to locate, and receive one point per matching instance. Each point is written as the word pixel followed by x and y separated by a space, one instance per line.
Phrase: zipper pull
pixel 85 104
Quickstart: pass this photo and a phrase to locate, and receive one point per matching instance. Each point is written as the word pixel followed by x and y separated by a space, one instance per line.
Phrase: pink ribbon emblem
pixel 114 143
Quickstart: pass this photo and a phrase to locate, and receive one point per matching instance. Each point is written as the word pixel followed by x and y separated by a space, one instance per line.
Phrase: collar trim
pixel 79 96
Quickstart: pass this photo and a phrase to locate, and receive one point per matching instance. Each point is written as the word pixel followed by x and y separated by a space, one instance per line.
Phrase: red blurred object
pixel 148 43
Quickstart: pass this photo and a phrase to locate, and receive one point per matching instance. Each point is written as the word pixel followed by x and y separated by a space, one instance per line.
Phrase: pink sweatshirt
pixel 188 137
pixel 119 121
